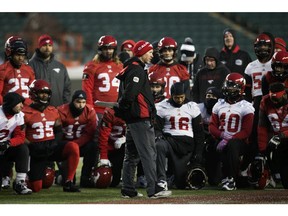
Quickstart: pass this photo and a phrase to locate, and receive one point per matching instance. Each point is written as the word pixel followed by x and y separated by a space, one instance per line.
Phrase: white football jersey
pixel 231 115
pixel 178 120
pixel 256 70
pixel 7 126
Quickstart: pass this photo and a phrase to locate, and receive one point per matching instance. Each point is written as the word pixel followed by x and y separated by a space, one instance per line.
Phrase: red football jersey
pixel 272 121
pixel 80 129
pixel 171 74
pixel 39 125
pixel 15 80
pixel 110 129
pixel 99 81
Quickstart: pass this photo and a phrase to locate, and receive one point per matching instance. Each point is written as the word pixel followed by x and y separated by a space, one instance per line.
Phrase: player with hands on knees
pixel 79 123
pixel 112 143
pixel 231 124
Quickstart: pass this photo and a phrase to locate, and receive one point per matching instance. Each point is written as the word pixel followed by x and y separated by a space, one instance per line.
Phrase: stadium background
pixel 76 34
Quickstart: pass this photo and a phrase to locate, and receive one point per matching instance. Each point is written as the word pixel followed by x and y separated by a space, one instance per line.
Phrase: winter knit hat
pixel 128 44
pixel 10 100
pixel 187 50
pixel 79 94
pixel 280 44
pixel 232 32
pixel 177 88
pixel 44 39
pixel 142 47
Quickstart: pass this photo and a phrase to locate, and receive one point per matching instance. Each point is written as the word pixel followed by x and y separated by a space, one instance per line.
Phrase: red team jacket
pixel 80 129
pixel 271 118
pixel 99 82
pixel 110 129
pixel 16 80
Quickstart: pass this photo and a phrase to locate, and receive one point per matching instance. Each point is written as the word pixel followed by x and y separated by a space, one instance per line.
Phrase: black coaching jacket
pixel 135 98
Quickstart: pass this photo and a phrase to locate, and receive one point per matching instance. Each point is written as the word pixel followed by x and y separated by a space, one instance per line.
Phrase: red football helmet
pixel 48 178
pixel 154 80
pixel 264 46
pixel 258 173
pixel 279 62
pixel 38 86
pixel 167 42
pixel 107 41
pixel 234 86
pixel 15 44
pixel 101 177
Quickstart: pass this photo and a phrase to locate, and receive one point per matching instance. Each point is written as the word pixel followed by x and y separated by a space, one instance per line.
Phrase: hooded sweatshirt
pixel 206 78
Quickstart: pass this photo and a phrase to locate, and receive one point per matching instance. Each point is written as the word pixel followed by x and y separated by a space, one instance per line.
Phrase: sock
pixel 20 176
pixel 71 154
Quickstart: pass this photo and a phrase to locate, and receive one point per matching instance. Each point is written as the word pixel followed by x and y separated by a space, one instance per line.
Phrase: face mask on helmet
pixel 279 65
pixel 263 47
pixel 233 87
pixel 101 177
pixel 40 92
pixel 258 174
pixel 167 45
pixel 196 178
pixel 15 44
pixel 105 43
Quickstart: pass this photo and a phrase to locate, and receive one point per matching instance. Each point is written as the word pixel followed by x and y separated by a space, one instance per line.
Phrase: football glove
pixel 4 145
pixel 221 145
pixel 274 142
pixel 226 136
pixel 119 142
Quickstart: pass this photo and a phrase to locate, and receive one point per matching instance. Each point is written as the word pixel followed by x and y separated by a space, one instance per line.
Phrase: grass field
pixel 103 198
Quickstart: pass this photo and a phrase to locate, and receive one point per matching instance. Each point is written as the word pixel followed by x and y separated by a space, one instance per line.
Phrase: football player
pixel 112 140
pixel 79 126
pixel 44 138
pixel 15 74
pixel 12 147
pixel 272 120
pixel 180 122
pixel 264 45
pixel 231 124
pixel 168 68
pixel 279 73
pixel 99 81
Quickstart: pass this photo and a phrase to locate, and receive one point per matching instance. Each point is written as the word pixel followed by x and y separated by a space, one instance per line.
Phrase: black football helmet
pixel 196 178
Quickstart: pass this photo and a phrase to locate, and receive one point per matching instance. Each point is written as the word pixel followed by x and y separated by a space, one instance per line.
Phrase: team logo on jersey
pixel 85 76
pixel 57 70
pixel 210 81
pixel 136 79
pixel 238 62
